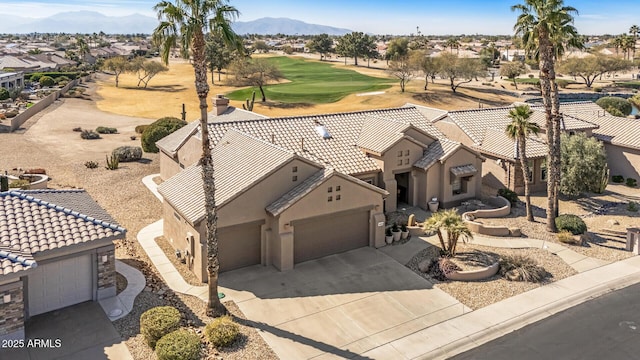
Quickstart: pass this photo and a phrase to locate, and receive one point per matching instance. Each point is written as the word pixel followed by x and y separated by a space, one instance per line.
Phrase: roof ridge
pixel 481 109
pixel 5 254
pixel 67 211
pixel 259 140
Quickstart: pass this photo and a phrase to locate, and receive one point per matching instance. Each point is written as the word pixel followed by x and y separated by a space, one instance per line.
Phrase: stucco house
pixel 484 131
pixel 298 188
pixel 56 250
pixel 620 136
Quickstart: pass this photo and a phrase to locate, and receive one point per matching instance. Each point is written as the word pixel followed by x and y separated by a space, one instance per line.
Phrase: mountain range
pixel 86 22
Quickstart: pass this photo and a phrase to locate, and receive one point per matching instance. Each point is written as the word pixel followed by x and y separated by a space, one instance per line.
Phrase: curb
pixel 496 331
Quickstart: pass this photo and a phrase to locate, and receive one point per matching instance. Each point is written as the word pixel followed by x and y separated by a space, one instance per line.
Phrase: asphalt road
pixel 606 328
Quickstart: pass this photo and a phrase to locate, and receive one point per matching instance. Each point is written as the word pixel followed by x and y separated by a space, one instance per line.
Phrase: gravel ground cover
pixel 182 268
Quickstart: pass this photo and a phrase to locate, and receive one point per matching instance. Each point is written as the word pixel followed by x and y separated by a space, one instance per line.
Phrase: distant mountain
pixel 272 26
pixel 79 22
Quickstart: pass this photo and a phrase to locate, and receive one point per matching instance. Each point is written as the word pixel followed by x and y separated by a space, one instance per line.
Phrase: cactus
pixel 604 180
pixel 249 105
pixel 412 220
pixel 112 164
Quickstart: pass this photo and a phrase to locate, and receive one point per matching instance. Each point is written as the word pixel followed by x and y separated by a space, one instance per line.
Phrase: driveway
pixel 83 330
pixel 345 305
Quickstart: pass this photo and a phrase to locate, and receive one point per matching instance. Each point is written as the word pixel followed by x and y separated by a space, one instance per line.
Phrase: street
pixel 604 328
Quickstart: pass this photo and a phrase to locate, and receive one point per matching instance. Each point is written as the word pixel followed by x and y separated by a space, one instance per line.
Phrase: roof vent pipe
pixel 302 144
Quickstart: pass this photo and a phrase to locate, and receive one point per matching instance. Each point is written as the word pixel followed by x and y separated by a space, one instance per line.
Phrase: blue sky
pixel 374 16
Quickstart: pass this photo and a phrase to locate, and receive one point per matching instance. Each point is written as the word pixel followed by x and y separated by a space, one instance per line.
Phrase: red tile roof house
pixel 294 189
pixel 484 131
pixel 56 250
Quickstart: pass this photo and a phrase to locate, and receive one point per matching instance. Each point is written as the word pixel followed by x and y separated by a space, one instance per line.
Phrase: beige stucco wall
pixel 461 157
pixel 421 137
pixel 168 166
pixel 623 161
pixel 389 162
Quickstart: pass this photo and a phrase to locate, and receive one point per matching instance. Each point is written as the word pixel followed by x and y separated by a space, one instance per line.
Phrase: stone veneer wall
pixel 12 313
pixel 106 272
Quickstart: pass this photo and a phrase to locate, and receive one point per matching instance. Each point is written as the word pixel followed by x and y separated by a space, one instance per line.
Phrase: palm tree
pixel 183 23
pixel 634 30
pixel 618 42
pixel 451 222
pixel 519 130
pixel 453 43
pixel 545 26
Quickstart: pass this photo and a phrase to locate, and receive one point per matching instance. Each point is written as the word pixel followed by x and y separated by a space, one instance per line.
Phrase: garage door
pixel 60 284
pixel 238 246
pixel 327 235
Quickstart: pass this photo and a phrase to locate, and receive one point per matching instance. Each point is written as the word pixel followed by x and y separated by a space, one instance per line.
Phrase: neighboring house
pixel 56 250
pixel 11 80
pixel 484 131
pixel 298 188
pixel 621 136
pixel 16 64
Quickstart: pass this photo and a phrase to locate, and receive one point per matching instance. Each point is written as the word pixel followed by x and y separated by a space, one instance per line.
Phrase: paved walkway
pixel 151 185
pixel 120 305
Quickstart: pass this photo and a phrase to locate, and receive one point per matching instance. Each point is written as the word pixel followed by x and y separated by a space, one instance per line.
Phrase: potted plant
pixel 395 230
pixel 404 232
pixel 433 204
pixel 388 237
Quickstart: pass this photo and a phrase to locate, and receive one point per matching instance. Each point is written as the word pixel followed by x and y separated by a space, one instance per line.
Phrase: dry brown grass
pixel 168 91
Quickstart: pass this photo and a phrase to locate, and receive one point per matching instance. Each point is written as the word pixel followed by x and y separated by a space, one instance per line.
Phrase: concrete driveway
pixel 84 332
pixel 340 306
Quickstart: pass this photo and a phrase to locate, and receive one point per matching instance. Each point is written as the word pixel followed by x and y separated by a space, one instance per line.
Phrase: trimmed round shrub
pixel 127 153
pixel 36 77
pixel 47 81
pixel 617 103
pixel 571 223
pixel 158 322
pixel 159 129
pixel 4 93
pixel 222 331
pixel 179 345
pixel 140 128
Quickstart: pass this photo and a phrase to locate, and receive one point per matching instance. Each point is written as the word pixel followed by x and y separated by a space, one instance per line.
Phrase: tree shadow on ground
pixel 482 101
pixel 281 105
pixel 477 258
pixel 597 206
pixel 161 88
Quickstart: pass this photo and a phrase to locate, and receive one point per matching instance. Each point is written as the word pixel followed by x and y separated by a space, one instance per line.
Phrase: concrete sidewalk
pixel 480 326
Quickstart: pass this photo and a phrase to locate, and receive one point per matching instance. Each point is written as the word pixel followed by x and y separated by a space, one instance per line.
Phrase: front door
pixel 402 181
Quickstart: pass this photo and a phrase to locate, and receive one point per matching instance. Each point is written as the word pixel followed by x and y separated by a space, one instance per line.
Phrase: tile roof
pixel 497 143
pixel 308 185
pixel 432 114
pixel 615 130
pixel 234 114
pixel 379 134
pixel 437 151
pixel 240 160
pixel 30 225
pixel 298 134
pixel 76 199
pixel 463 170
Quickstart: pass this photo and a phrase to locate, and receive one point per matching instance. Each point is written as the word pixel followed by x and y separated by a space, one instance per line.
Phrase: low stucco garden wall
pixel 38 181
pixel 474 275
pixel 503 209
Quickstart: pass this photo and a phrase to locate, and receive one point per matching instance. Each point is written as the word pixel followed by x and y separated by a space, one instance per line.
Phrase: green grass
pixel 536 81
pixel 314 82
pixel 629 84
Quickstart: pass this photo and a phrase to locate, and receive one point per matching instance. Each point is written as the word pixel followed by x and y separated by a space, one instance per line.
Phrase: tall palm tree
pixel 618 43
pixel 183 23
pixel 634 30
pixel 451 222
pixel 545 26
pixel 519 130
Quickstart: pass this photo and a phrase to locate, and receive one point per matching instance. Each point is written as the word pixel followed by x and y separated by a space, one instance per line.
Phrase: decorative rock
pixel 423 266
pixel 128 153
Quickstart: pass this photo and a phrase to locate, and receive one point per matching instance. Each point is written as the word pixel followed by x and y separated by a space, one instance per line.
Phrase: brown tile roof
pixel 29 225
pixel 379 134
pixel 437 151
pixel 340 151
pixel 308 185
pixel 497 143
pixel 240 161
pixel 615 130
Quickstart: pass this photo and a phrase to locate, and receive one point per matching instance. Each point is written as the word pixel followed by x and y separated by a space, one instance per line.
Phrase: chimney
pixel 220 103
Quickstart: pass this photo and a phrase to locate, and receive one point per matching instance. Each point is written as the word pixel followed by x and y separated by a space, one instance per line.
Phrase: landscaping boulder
pixel 128 153
pixel 424 265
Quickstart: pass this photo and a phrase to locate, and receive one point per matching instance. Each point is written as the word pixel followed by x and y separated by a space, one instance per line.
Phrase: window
pixel 406 161
pixel 294 169
pixel 456 186
pixel 175 214
pixel 294 178
pixel 543 170
pixel 338 188
pixel 399 153
pixel 406 153
pixel 530 164
pixel 338 197
pixel 399 162
pixel 330 189
pixel 330 198
pixel 460 185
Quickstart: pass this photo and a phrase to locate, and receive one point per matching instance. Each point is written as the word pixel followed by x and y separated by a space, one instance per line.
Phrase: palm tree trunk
pixel 522 146
pixel 214 306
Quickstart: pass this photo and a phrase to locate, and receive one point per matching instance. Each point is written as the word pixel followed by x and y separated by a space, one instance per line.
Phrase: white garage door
pixel 60 284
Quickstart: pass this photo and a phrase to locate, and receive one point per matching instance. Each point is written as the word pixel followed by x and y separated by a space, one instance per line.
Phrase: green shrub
pixel 620 104
pixel 158 130
pixel 91 164
pixel 566 237
pixel 89 135
pixel 179 345
pixel 631 182
pixel 618 179
pixel 158 322
pixel 521 268
pixel 614 112
pixel 4 94
pixel 35 77
pixel 572 223
pixel 632 206
pixel 509 195
pixel 127 153
pixel 47 81
pixel 61 79
pixel 222 331
pixel 106 130
pixel 20 184
pixel 140 128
